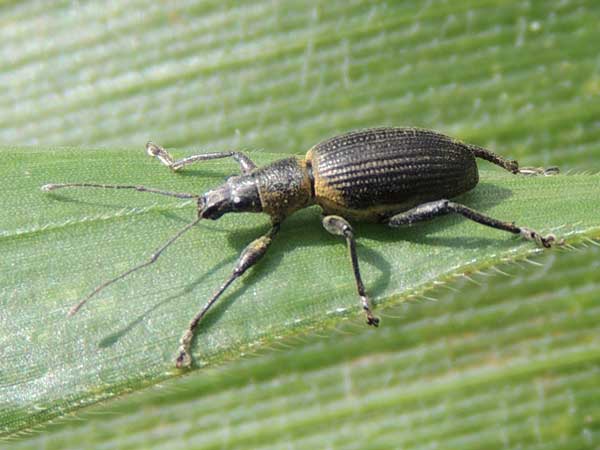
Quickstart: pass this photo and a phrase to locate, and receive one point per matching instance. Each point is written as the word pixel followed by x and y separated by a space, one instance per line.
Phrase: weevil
pixel 394 176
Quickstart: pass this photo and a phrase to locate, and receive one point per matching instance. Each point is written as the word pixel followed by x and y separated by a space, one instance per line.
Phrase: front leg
pixel 249 256
pixel 339 226
pixel 246 164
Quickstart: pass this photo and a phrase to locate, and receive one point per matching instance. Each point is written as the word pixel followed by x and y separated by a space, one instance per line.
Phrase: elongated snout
pixel 215 203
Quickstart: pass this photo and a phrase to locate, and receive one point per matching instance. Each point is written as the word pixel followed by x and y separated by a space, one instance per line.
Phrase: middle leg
pixel 339 226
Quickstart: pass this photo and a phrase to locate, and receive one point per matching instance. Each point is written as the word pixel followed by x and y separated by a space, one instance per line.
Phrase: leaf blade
pixel 125 340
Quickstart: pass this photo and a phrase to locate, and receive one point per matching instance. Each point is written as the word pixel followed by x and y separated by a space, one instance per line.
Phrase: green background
pixel 500 361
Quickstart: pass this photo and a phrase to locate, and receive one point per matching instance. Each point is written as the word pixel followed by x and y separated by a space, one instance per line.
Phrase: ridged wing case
pixel 373 173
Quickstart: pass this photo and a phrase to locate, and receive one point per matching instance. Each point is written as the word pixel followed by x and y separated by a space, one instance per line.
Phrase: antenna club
pixel 49 187
pixel 73 310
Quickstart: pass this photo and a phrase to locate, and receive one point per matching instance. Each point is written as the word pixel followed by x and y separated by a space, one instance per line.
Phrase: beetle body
pixel 365 175
pixel 399 176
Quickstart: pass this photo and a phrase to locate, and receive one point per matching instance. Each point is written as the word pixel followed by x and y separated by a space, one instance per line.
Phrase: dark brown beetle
pixel 396 176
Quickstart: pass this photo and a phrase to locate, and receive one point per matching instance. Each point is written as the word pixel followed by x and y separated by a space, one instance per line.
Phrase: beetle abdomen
pixel 383 169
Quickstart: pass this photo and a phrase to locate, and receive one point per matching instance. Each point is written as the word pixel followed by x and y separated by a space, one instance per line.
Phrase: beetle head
pixel 237 194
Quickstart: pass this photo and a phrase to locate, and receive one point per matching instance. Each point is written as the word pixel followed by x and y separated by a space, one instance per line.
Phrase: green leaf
pixel 510 364
pixel 57 247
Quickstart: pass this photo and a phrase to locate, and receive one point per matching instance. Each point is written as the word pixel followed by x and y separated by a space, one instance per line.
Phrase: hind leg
pixel 430 210
pixel 510 164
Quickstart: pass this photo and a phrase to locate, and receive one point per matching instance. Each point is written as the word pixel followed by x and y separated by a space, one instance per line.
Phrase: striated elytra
pixel 394 176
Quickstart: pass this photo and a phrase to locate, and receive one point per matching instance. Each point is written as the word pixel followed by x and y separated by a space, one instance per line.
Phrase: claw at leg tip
pixel 551 240
pixel 152 149
pixel 184 360
pixel 373 321
pixel 549 171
